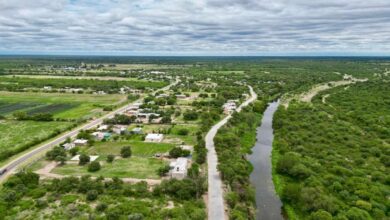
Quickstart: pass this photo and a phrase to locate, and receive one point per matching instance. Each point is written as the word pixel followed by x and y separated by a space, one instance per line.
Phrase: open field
pixel 21 83
pixel 138 148
pixel 134 167
pixel 62 105
pixel 76 77
pixel 16 134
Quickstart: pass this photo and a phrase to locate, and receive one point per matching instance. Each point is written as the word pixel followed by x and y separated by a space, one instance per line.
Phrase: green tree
pixel 110 158
pixel 126 152
pixel 321 215
pixel 92 195
pixel 83 159
pixel 94 166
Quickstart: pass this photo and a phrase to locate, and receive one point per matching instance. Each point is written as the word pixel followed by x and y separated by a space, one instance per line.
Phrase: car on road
pixel 3 171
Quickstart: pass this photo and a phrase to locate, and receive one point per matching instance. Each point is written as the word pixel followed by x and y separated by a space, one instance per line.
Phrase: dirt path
pixel 308 96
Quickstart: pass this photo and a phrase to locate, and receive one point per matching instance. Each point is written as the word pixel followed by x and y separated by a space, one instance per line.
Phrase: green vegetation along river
pixel 268 203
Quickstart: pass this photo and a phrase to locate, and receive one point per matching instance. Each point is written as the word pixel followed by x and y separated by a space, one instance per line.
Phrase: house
pixel 137 130
pixel 181 96
pixel 102 128
pixel 119 129
pixel 179 168
pixel 154 137
pixel 68 146
pixel 91 158
pixel 80 142
pixel 98 135
pixel 229 107
pixel 162 96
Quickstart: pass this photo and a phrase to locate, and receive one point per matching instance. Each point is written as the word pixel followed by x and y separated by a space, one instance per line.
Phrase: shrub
pixel 110 158
pixel 101 207
pixel 321 215
pixel 84 159
pixel 92 195
pixel 94 166
pixel 162 171
pixel 183 132
pixel 126 152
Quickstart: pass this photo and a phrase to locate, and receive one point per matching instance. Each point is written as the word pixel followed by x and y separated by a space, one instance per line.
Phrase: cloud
pixel 201 26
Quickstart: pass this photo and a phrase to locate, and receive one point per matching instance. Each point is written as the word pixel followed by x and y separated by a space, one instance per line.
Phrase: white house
pixel 98 135
pixel 119 129
pixel 137 130
pixel 179 168
pixel 68 146
pixel 229 107
pixel 154 138
pixel 80 142
pixel 102 128
pixel 181 96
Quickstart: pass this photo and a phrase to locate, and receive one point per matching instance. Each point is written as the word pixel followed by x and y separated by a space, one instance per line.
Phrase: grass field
pixel 15 134
pixel 62 105
pixel 134 167
pixel 138 148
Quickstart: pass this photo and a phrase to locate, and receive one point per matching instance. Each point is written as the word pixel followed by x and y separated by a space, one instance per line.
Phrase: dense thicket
pixel 333 157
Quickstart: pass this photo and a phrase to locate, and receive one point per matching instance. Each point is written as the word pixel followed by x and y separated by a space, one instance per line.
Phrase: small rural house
pixel 80 142
pixel 68 146
pixel 101 135
pixel 102 128
pixel 137 130
pixel 154 137
pixel 119 129
pixel 179 168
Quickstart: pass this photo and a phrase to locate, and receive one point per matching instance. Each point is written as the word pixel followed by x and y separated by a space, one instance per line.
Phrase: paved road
pixel 16 163
pixel 216 208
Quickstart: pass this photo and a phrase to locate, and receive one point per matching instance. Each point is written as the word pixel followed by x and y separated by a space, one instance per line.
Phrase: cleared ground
pixel 138 148
pixel 134 167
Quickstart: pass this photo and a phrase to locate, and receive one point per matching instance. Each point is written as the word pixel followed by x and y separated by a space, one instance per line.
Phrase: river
pixel 269 206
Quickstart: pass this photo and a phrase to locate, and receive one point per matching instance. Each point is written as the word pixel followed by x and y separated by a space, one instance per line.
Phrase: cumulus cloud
pixel 189 26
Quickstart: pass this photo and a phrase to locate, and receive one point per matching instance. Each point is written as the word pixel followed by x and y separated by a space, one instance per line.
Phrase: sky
pixel 197 27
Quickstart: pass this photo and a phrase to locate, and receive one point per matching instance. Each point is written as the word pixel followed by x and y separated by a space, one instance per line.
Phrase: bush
pixel 56 152
pixel 321 215
pixel 94 166
pixel 162 171
pixel 101 207
pixel 178 152
pixel 190 116
pixel 183 132
pixel 110 158
pixel 126 152
pixel 92 195
pixel 84 159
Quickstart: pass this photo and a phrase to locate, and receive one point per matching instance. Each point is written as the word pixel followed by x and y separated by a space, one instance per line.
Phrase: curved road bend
pixel 16 163
pixel 216 208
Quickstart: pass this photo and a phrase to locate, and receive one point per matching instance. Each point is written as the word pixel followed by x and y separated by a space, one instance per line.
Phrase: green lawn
pixel 138 148
pixel 134 167
pixel 15 134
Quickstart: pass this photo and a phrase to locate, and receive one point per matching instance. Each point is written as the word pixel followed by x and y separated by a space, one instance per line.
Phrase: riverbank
pixel 268 204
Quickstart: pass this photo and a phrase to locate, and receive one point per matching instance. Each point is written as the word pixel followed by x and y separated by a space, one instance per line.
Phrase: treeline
pixel 101 199
pixel 332 159
pixel 233 142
